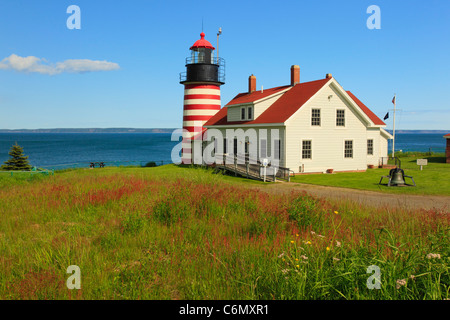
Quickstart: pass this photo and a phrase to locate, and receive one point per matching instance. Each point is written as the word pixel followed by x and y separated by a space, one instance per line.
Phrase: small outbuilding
pixel 447 148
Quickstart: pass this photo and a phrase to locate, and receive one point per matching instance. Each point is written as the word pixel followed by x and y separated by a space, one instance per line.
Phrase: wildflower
pixel 304 257
pixel 308 242
pixel 336 259
pixel 281 255
pixel 328 248
pixel 312 232
pixel 297 266
pixel 284 271
pixel 292 241
pixel 412 277
pixel 296 234
pixel 296 259
pixel 433 256
pixel 320 236
pixel 336 212
pixel 401 283
pixel 338 244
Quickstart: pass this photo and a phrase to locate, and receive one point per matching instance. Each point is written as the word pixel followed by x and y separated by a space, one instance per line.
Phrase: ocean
pixel 64 150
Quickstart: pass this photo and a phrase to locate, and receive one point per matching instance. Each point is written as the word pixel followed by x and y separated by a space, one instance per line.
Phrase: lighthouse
pixel 204 75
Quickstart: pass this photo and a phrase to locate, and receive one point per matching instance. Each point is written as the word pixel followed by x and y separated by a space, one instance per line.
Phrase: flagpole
pixel 393 129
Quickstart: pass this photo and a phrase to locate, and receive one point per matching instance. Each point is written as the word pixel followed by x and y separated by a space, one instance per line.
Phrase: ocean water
pixel 62 150
pixel 424 142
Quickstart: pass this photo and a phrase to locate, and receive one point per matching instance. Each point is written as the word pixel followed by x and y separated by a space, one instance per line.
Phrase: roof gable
pixel 372 116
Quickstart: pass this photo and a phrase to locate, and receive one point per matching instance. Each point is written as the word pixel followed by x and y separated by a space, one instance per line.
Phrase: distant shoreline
pixel 90 130
pixel 159 130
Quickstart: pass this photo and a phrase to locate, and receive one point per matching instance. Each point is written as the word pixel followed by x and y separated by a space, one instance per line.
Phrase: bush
pixel 150 164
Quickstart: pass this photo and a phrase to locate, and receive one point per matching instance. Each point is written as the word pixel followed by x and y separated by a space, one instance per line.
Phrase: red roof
pixel 367 111
pixel 255 95
pixel 283 108
pixel 202 43
pixel 279 111
pixel 447 135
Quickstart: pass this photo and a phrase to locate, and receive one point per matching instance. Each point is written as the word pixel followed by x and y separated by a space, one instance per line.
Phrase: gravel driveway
pixel 366 198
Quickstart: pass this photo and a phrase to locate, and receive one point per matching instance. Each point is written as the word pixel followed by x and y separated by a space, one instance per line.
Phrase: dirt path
pixel 366 198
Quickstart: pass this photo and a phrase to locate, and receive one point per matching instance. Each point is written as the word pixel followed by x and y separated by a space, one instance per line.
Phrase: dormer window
pixel 246 113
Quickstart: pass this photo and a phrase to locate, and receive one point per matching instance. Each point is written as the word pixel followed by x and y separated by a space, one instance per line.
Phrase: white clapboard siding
pixel 328 139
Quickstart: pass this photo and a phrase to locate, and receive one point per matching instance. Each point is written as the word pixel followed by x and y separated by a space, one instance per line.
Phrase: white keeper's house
pixel 321 126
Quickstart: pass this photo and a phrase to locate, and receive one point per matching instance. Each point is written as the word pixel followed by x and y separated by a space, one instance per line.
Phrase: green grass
pixel 434 179
pixel 187 233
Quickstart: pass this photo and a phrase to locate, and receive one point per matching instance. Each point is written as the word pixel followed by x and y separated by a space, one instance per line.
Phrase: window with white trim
pixel 315 117
pixel 263 148
pixel 370 147
pixel 340 118
pixel 242 113
pixel 277 149
pixel 306 149
pixel 250 113
pixel 348 149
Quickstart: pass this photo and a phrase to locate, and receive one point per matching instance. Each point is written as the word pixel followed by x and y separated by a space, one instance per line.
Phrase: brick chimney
pixel 251 83
pixel 328 76
pixel 295 75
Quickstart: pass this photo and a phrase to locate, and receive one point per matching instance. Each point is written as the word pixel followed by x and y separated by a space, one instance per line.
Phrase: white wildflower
pixel 433 256
pixel 400 283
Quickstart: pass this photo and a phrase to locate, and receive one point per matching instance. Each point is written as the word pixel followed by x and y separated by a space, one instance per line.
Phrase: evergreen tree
pixel 18 160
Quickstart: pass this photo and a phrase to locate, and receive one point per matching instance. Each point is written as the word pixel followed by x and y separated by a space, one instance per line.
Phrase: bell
pixel 397 177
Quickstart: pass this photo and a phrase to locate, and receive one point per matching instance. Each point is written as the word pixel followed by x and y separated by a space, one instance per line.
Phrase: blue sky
pixel 135 50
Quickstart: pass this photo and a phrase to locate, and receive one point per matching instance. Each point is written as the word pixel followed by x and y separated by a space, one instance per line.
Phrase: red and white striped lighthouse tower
pixel 202 80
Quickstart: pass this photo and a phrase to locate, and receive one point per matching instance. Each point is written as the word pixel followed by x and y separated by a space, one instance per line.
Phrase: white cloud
pixel 39 65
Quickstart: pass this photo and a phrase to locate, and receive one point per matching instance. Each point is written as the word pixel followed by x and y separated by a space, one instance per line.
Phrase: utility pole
pixel 393 130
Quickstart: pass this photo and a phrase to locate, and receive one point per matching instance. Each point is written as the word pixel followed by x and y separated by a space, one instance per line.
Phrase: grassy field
pixel 434 179
pixel 183 233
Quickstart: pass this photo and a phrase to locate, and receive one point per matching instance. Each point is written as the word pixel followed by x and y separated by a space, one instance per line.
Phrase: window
pixel 263 148
pixel 246 145
pixel 370 147
pixel 225 147
pixel 242 113
pixel 306 149
pixel 348 149
pixel 235 146
pixel 340 118
pixel 250 113
pixel 277 149
pixel 315 117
